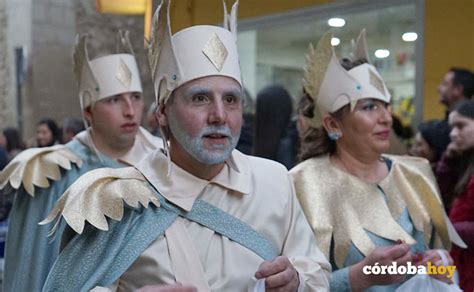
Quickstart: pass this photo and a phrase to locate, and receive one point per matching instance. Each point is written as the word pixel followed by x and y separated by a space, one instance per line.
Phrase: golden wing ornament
pixel 99 193
pixel 33 167
pixel 317 62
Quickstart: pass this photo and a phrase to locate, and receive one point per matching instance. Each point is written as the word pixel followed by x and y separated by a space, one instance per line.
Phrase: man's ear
pixel 88 114
pixel 331 124
pixel 162 115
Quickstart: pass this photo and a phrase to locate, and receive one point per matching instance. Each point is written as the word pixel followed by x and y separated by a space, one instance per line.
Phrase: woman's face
pixel 462 131
pixel 421 148
pixel 44 136
pixel 367 129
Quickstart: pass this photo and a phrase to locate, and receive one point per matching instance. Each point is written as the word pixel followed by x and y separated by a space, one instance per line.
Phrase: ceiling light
pixel 382 53
pixel 409 36
pixel 335 41
pixel 336 22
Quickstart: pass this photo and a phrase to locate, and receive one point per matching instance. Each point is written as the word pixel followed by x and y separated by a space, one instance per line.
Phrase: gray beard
pixel 195 145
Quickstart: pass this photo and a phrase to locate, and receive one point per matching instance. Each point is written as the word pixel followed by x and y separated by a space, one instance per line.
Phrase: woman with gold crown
pixel 366 209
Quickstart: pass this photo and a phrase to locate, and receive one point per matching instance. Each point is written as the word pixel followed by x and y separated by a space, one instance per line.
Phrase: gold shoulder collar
pixel 341 206
pixel 99 193
pixel 33 167
pixel 417 184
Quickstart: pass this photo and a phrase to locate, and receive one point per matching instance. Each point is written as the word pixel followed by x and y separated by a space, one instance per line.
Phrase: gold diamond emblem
pixel 215 51
pixel 123 74
pixel 376 82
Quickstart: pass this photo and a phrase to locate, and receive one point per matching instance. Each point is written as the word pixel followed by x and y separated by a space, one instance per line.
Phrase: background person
pixel 275 135
pixel 47 133
pixel 428 143
pixel 70 128
pixel 457 85
pixel 458 165
pixel 11 140
pixel 245 143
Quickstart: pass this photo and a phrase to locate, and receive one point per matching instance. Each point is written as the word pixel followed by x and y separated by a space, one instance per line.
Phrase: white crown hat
pixel 108 75
pixel 195 52
pixel 332 87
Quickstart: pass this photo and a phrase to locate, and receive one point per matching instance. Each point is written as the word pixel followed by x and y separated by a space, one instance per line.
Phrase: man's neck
pixel 112 151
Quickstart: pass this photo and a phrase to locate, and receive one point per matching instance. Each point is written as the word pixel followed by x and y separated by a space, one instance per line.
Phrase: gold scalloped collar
pixel 342 206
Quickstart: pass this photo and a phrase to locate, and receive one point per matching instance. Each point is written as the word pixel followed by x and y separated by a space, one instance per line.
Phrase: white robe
pixel 257 191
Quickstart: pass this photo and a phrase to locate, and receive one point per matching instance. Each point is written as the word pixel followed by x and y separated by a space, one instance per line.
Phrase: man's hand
pixel 279 274
pixel 167 288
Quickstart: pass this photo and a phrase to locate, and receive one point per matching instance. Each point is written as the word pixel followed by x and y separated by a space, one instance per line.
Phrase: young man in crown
pixel 219 220
pixel 110 94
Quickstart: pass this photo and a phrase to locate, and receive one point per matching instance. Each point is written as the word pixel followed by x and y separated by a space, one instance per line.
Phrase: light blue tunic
pixel 29 253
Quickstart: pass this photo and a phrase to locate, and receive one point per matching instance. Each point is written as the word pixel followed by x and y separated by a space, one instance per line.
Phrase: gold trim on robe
pixel 341 206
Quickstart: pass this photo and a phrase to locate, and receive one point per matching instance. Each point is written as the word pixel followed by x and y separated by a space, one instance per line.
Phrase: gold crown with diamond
pixel 332 87
pixel 107 75
pixel 195 52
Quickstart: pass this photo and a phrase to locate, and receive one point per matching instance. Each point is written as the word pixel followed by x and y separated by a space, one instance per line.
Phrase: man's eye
pixel 137 96
pixel 230 99
pixel 200 98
